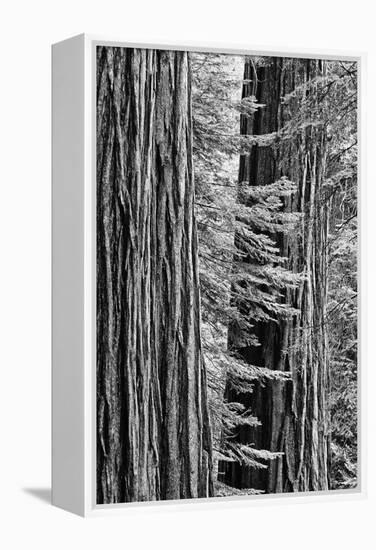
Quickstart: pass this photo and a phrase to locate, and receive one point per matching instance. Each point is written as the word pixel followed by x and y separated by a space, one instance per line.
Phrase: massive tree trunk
pixel 153 432
pixel 294 415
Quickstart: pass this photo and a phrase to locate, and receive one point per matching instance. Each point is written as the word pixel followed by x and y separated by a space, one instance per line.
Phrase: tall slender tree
pixel 287 141
pixel 153 430
pixel 341 88
pixel 225 278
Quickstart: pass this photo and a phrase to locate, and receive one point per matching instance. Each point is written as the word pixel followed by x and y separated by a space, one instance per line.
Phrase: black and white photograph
pixel 226 275
pixel 188 298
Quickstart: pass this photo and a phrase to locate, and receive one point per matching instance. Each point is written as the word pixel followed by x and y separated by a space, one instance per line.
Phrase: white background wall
pixel 27 30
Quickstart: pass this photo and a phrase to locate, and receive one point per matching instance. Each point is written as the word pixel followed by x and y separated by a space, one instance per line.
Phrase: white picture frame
pixel 73 286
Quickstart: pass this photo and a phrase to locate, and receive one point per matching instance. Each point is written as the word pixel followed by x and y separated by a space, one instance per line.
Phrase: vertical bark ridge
pixel 153 432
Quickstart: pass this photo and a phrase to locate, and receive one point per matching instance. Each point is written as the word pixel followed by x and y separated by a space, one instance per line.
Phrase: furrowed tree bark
pixel 153 432
pixel 294 415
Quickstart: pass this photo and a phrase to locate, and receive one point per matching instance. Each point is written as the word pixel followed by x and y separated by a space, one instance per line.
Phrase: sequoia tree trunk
pixel 153 432
pixel 294 415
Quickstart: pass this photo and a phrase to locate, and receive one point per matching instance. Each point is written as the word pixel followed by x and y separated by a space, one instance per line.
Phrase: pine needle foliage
pixel 234 222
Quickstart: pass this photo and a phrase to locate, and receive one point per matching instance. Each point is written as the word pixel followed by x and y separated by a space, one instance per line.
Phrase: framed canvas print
pixel 205 274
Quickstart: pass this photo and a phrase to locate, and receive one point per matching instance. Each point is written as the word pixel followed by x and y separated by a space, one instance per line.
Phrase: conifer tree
pixel 153 429
pixel 228 270
pixel 341 89
pixel 292 136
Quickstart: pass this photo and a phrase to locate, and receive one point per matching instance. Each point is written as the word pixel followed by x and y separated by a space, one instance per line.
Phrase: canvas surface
pixel 226 275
